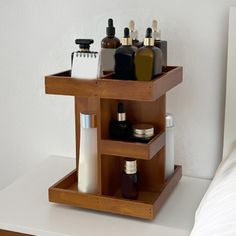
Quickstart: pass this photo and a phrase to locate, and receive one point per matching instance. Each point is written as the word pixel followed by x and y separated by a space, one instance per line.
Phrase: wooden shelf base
pixel 146 206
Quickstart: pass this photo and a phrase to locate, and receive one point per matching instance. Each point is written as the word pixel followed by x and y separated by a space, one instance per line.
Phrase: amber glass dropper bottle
pixel 110 41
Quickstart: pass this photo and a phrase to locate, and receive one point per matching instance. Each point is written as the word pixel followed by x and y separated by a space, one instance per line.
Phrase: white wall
pixel 37 38
pixel 230 108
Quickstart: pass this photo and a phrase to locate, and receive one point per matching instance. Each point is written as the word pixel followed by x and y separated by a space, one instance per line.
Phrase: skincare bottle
pixel 169 162
pixel 87 169
pixel 143 132
pixel 130 179
pixel 108 48
pixel 134 35
pixel 120 129
pixel 156 34
pixel 84 63
pixel 110 41
pixel 148 59
pixel 124 59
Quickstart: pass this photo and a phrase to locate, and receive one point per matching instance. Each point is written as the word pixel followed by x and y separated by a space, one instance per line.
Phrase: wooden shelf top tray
pixel 63 84
pixel 145 151
pixel 146 206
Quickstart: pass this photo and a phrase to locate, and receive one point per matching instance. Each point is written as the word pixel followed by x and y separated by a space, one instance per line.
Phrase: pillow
pixel 216 214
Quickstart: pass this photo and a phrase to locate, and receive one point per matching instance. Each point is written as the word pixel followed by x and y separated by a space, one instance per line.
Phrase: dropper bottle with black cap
pixel 110 41
pixel 124 58
pixel 148 59
pixel 108 48
pixel 120 128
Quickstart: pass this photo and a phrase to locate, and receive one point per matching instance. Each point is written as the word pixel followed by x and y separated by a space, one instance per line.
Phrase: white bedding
pixel 216 214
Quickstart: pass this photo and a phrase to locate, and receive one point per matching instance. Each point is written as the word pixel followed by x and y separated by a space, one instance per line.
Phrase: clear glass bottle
pixel 148 59
pixel 169 147
pixel 124 59
pixel 134 35
pixel 87 169
pixel 130 179
pixel 120 129
pixel 162 44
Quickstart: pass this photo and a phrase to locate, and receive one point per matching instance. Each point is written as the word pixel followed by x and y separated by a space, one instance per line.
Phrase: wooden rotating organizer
pixel 145 102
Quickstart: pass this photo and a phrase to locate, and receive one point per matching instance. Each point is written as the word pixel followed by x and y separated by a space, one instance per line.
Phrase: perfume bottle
pixel 170 155
pixel 120 129
pixel 87 169
pixel 85 63
pixel 134 35
pixel 124 59
pixel 130 180
pixel 156 34
pixel 148 59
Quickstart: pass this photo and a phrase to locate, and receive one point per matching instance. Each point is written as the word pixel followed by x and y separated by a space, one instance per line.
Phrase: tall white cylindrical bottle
pixel 170 155
pixel 87 169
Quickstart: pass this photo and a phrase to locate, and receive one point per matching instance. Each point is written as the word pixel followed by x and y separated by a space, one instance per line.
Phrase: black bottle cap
pixel 126 32
pixel 121 108
pixel 126 40
pixel 148 40
pixel 148 33
pixel 110 29
pixel 84 43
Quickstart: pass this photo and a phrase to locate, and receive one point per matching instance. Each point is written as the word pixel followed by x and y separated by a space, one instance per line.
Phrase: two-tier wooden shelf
pixel 145 102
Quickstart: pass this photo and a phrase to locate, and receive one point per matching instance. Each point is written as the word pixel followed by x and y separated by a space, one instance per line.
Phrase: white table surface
pixel 24 208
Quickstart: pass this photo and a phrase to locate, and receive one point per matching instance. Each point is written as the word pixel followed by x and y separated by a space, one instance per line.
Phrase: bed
pixel 216 214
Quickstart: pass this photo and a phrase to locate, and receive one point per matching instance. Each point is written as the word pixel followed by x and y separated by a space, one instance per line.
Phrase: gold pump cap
pixel 148 41
pixel 126 40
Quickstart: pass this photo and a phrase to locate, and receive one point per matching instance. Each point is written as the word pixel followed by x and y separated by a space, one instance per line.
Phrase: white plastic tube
pixel 87 169
pixel 170 155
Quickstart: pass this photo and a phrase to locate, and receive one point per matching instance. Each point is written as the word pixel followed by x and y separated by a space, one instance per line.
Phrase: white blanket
pixel 216 214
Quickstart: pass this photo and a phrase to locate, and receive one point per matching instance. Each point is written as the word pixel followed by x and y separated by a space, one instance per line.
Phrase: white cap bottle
pixel 88 169
pixel 170 155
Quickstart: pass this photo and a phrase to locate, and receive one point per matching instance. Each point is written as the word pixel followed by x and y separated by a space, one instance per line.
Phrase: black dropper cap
pixel 84 43
pixel 110 29
pixel 148 33
pixel 126 32
pixel 121 108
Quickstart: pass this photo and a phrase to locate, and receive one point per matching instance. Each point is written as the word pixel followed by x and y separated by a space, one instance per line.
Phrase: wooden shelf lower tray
pixel 146 206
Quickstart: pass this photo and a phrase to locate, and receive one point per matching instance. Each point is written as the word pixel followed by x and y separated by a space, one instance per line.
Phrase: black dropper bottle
pixel 124 58
pixel 129 183
pixel 120 129
pixel 110 41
